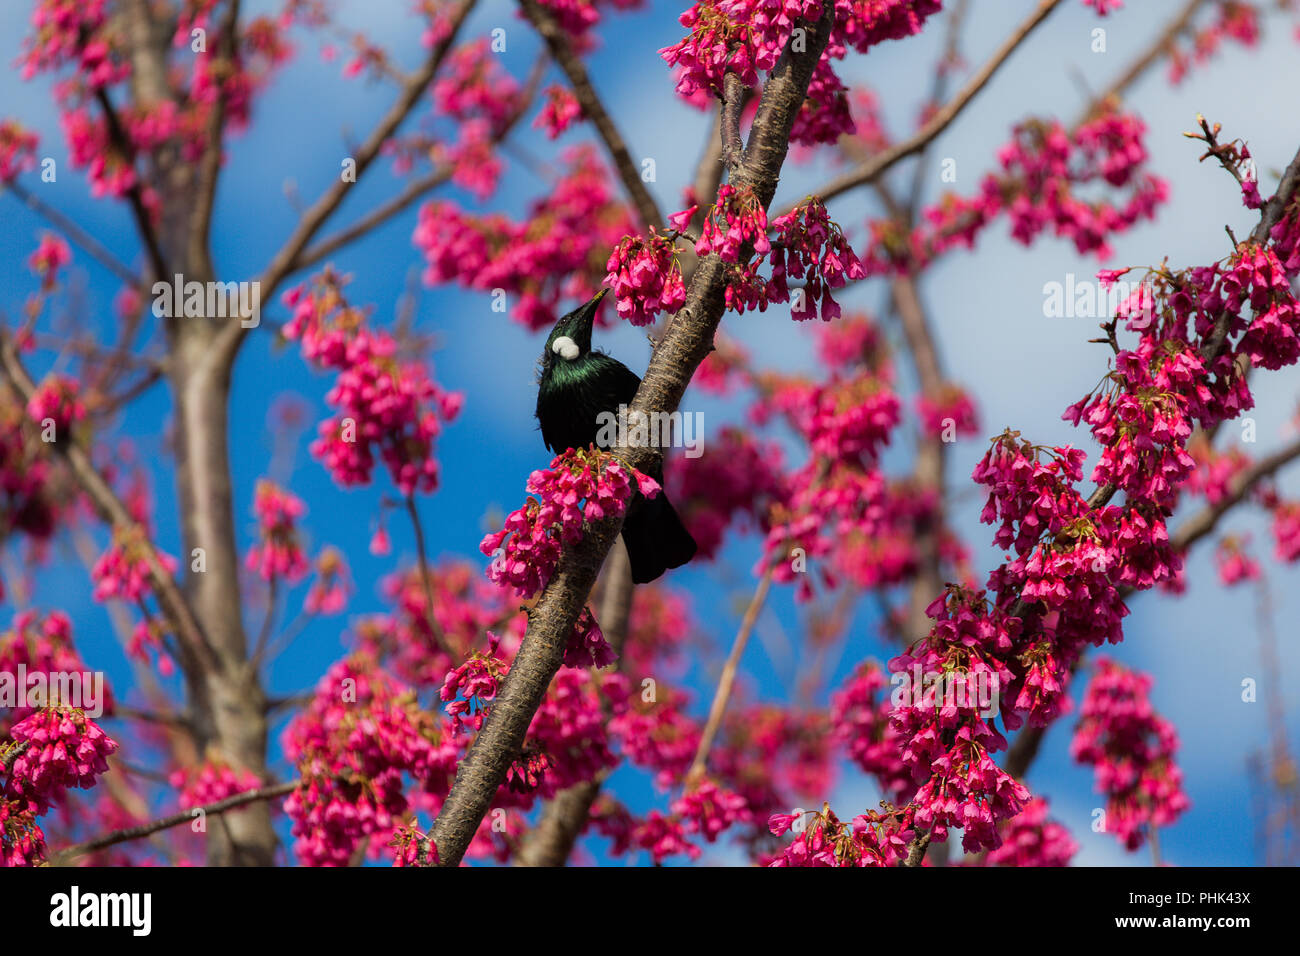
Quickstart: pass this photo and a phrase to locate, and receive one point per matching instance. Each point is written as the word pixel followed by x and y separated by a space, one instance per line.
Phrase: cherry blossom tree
pixel 481 716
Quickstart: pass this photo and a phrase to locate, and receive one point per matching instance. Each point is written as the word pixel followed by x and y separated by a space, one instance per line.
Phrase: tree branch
pixel 115 514
pixel 127 834
pixel 685 344
pixel 871 169
pixel 718 709
pixel 228 342
pixel 594 110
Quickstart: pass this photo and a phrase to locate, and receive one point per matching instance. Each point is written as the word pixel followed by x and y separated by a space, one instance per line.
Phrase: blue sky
pixel 987 309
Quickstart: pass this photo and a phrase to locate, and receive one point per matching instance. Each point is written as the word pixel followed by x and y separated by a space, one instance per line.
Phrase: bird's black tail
pixel 655 537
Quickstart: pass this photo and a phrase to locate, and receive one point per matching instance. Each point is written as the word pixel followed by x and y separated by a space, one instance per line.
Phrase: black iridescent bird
pixel 577 384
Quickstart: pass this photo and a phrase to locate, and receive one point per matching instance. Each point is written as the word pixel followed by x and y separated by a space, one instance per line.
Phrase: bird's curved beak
pixel 578 323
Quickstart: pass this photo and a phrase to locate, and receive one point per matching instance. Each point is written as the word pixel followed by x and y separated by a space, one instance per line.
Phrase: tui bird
pixel 577 384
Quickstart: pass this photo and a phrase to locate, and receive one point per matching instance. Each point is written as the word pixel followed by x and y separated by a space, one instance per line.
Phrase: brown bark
pixel 685 344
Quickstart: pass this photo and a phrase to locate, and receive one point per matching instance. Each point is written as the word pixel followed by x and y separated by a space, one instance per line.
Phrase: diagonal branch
pixel 718 709
pixel 127 834
pixel 281 264
pixel 115 514
pixel 413 191
pixel 73 231
pixel 684 345
pixel 871 169
pixel 594 110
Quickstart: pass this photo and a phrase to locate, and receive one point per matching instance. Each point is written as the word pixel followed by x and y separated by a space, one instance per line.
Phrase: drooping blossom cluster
pixel 746 37
pixel 1235 20
pixel 51 255
pixel 387 406
pixel 807 245
pixel 470 688
pixel 211 781
pixel 572 729
pixel 860 722
pixel 581 485
pixel 587 646
pixel 67 750
pixel 412 638
pixel 1286 531
pixel 560 111
pixel 41 646
pixel 646 278
pixel 1046 175
pixel 948 415
pixel 122 571
pixel 872 839
pixel 17 150
pixel 553 255
pixel 1032 839
pixel 54 749
pixel 946 727
pixel 1234 562
pixel 56 400
pixel 732 480
pixel 473 85
pixel 838 510
pixel 354 745
pixel 278 554
pixel 329 590
pixel 1131 749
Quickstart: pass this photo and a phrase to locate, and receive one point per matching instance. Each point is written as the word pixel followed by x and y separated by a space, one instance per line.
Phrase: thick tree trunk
pixel 231 704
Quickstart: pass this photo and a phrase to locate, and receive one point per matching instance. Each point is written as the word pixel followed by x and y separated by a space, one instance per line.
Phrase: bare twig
pixel 721 696
pixel 126 834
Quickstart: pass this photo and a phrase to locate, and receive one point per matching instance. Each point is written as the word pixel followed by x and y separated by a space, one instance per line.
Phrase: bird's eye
pixel 565 348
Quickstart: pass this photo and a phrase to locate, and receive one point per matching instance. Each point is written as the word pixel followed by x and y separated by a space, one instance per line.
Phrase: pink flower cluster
pixel 873 839
pixel 329 590
pixel 386 405
pixel 809 246
pixel 354 745
pixel 646 278
pixel 581 485
pixel 470 688
pixel 549 257
pixel 734 479
pixel 279 553
pixel 587 646
pixel 473 85
pixel 947 735
pixel 735 219
pixel 949 412
pixel 1032 839
pixel 1234 562
pixel 559 112
pixel 57 400
pixel 67 750
pixel 42 645
pixel 211 781
pixel 51 255
pixel 1046 174
pixel 17 150
pixel 860 722
pixel 1132 750
pixel 122 571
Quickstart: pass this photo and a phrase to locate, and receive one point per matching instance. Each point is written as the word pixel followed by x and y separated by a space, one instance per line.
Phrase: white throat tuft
pixel 565 348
